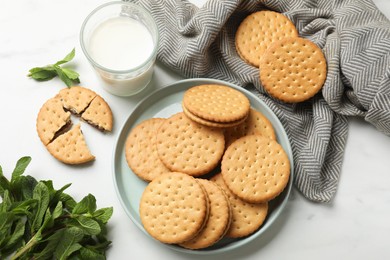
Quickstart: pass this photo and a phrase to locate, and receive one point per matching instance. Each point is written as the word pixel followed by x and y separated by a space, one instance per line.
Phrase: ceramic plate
pixel 164 103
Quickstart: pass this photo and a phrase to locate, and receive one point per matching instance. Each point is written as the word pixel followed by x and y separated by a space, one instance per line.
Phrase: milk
pixel 121 43
pixel 122 50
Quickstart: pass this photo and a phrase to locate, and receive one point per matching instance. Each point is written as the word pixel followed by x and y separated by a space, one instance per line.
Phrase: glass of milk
pixel 120 40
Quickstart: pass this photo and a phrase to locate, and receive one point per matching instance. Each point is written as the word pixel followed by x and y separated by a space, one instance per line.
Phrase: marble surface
pixel 33 33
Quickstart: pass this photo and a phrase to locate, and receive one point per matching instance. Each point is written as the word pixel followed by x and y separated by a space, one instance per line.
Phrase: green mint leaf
pixel 20 167
pixel 23 208
pixel 68 76
pixel 103 214
pixel 41 194
pixel 6 221
pixel 73 75
pixel 68 202
pixel 57 212
pixel 68 243
pixel 6 203
pixel 42 74
pixel 86 205
pixel 23 187
pixel 88 225
pixel 16 237
pixel 52 242
pixel 67 58
pixel 63 76
pixel 4 183
pixel 89 254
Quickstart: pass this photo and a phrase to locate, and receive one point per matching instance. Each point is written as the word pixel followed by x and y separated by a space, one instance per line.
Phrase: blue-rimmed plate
pixel 164 103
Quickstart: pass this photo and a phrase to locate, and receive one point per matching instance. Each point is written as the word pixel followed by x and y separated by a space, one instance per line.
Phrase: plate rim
pixel 240 242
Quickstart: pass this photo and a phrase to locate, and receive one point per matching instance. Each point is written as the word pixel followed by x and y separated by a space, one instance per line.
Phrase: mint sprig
pixel 48 72
pixel 39 222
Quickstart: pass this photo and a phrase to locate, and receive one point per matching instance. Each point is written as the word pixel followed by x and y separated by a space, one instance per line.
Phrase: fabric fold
pixel 355 38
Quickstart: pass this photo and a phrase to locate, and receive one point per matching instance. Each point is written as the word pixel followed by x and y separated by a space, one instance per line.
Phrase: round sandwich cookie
pixel 256 123
pixel 211 123
pixel 255 168
pixel 140 150
pixel 258 31
pixel 216 103
pixel 218 221
pixel 293 70
pixel 174 208
pixel 246 217
pixel 188 147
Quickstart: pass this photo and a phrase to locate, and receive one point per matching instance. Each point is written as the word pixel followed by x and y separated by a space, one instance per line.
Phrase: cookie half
pixel 70 147
pixel 51 119
pixel 98 113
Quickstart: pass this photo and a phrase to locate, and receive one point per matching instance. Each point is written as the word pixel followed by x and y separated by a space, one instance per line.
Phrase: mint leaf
pixel 16 237
pixel 103 214
pixel 20 167
pixel 41 74
pixel 86 205
pixel 88 225
pixel 68 243
pixel 67 58
pixel 48 72
pixel 89 254
pixel 41 194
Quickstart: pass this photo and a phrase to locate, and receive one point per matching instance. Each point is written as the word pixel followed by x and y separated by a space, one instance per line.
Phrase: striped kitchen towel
pixel 355 38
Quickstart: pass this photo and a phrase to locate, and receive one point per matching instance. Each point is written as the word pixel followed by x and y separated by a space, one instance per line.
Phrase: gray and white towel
pixel 355 38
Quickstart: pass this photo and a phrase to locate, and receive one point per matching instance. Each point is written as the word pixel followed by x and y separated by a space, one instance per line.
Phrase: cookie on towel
pixel 141 152
pixel 219 219
pixel 174 208
pixel 70 147
pixel 258 31
pixel 293 70
pixel 255 168
pixel 246 217
pixel 188 147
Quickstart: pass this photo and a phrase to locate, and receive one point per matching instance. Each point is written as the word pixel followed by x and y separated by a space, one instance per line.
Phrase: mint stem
pixel 33 241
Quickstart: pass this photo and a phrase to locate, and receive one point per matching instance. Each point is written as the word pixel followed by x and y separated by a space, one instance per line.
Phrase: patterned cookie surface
pixel 216 103
pixel 98 113
pixel 219 218
pixel 71 147
pixel 141 152
pixel 51 118
pixel 255 168
pixel 185 146
pixel 211 123
pixel 174 208
pixel 256 123
pixel 258 31
pixel 293 70
pixel 246 217
pixel 76 99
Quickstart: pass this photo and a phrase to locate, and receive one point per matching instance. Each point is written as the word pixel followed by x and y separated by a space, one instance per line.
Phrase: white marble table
pixel 354 226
